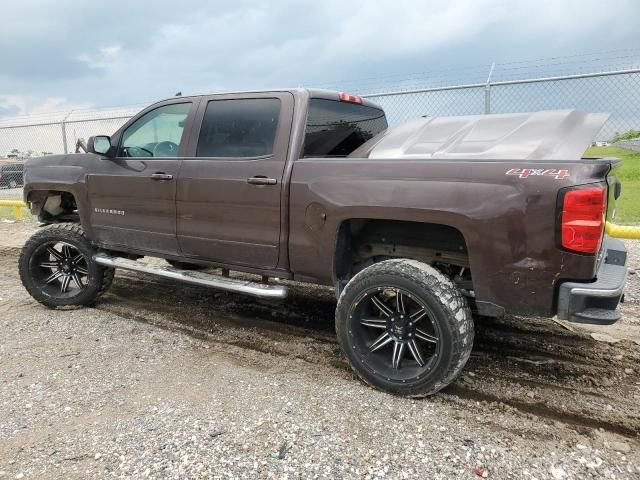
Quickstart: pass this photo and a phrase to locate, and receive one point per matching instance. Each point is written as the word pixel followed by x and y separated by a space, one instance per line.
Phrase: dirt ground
pixel 165 380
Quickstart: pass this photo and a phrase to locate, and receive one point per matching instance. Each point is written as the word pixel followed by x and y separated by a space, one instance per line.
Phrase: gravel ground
pixel 164 380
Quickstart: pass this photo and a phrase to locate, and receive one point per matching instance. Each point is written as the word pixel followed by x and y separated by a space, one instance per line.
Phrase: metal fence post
pixel 64 132
pixel 487 91
pixel 64 138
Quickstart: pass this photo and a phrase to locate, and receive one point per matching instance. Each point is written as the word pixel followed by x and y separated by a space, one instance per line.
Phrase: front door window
pixel 158 133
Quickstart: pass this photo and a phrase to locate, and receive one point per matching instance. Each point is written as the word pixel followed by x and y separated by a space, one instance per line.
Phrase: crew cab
pixel 415 226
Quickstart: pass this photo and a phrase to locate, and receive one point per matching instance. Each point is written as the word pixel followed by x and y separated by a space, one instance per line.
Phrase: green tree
pixel 628 135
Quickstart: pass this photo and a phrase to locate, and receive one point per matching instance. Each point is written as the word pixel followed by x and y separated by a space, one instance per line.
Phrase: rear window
pixel 335 129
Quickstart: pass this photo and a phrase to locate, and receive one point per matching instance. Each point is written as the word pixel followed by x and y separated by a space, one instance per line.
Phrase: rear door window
pixel 335 129
pixel 239 128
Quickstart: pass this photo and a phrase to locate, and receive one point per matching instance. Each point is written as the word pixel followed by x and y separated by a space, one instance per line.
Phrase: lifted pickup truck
pixel 415 226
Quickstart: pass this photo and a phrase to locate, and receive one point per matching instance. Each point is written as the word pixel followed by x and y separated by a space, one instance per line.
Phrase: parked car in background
pixel 11 175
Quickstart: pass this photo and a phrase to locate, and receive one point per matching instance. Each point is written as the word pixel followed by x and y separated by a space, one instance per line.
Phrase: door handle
pixel 261 180
pixel 161 176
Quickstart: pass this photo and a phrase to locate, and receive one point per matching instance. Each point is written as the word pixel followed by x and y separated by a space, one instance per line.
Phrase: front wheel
pixel 57 267
pixel 405 327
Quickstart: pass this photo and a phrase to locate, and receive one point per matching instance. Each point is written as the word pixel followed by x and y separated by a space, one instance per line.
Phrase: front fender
pixel 58 173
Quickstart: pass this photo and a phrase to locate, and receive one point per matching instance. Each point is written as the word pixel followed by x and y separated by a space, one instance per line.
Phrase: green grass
pixel 628 205
pixel 6 213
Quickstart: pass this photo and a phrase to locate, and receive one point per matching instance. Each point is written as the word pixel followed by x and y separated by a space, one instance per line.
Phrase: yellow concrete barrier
pixel 16 205
pixel 622 231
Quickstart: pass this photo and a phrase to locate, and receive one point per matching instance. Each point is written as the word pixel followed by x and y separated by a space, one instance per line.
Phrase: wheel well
pixel 53 206
pixel 362 242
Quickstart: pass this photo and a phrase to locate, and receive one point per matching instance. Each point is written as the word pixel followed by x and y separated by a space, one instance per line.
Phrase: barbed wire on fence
pixel 615 92
pixel 492 91
pixel 612 60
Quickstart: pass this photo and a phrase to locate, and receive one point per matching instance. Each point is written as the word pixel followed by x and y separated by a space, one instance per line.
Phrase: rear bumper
pixel 597 302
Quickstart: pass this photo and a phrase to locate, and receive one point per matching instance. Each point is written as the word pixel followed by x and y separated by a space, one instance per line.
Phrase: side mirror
pixel 100 144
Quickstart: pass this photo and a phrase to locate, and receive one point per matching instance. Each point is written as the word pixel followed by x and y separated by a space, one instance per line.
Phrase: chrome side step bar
pixel 197 278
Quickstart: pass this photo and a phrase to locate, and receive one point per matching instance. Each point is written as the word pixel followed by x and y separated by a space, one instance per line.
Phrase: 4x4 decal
pixel 558 174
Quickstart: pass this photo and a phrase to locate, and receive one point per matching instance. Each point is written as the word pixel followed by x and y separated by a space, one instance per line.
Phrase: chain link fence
pixel 34 136
pixel 629 144
pixel 616 92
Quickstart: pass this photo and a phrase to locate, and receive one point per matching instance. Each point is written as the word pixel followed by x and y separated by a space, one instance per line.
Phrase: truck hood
pixel 548 135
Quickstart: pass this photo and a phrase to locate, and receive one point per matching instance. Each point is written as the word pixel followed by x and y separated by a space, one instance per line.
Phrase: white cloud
pixel 101 58
pixel 34 105
pixel 405 26
pixel 111 51
pixel 284 43
pixel 111 58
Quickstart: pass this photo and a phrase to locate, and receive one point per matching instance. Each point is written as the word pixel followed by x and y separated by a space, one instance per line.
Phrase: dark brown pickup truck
pixel 415 226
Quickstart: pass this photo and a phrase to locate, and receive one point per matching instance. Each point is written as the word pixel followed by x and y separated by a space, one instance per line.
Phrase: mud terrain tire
pixel 68 258
pixel 405 328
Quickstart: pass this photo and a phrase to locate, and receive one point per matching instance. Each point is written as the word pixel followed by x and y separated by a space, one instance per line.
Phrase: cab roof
pixel 311 92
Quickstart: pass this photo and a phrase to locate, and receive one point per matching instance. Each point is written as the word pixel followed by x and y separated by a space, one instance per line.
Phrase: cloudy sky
pixel 61 54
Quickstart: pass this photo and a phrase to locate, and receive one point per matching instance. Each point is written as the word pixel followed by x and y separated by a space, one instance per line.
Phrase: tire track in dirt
pixel 536 355
pixel 574 379
pixel 546 411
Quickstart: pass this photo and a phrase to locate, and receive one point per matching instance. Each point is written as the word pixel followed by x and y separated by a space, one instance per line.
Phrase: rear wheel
pixel 57 268
pixel 404 327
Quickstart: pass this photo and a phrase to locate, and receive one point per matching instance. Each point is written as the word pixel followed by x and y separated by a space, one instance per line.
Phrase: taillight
pixel 345 97
pixel 582 219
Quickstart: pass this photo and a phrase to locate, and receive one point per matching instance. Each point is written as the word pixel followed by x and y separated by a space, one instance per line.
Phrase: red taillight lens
pixel 582 223
pixel 345 97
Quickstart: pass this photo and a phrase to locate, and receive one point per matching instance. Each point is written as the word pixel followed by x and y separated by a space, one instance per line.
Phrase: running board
pixel 197 278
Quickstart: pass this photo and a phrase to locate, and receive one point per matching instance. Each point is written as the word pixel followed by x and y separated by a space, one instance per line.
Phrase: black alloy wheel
pixel 404 327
